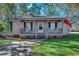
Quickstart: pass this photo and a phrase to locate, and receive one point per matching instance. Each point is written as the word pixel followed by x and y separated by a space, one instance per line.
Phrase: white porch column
pixel 46 30
pixel 36 35
pixel 46 34
pixel 35 29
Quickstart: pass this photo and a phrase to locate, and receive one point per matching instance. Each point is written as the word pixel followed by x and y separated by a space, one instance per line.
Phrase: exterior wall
pixel 65 29
pixel 21 25
pixel 15 25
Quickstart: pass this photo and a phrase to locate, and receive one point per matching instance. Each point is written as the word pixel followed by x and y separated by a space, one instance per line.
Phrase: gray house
pixel 39 27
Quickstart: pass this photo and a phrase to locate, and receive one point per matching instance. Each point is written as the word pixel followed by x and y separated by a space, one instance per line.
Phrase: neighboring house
pixel 39 27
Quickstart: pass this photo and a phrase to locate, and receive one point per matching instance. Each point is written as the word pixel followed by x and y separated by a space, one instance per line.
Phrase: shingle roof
pixel 42 17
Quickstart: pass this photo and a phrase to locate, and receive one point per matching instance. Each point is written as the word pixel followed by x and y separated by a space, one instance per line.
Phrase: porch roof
pixel 40 18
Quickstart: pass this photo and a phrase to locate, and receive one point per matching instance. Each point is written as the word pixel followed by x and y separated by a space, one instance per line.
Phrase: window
pixel 59 25
pixel 29 26
pixel 52 25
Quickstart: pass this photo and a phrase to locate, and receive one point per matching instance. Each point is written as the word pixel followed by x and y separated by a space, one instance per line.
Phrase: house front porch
pixel 39 27
pixel 46 34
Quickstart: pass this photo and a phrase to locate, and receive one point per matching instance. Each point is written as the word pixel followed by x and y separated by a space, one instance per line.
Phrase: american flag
pixel 67 22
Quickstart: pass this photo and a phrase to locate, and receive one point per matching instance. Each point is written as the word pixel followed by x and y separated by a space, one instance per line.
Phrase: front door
pixel 40 27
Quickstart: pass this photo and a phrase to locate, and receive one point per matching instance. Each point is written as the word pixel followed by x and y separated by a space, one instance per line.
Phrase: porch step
pixel 51 37
pixel 27 37
pixel 15 36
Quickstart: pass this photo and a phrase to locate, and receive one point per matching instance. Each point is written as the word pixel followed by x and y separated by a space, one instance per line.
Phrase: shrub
pixel 1 28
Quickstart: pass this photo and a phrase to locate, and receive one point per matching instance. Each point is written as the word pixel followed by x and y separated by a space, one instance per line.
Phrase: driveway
pixel 18 48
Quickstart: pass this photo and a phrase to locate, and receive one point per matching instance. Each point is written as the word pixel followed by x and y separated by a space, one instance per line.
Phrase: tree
pixel 36 9
pixel 8 13
pixel 23 8
pixel 72 9
pixel 49 9
pixel 54 9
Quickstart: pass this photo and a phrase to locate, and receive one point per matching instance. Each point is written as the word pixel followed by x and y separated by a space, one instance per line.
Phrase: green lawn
pixel 3 41
pixel 57 47
pixel 54 47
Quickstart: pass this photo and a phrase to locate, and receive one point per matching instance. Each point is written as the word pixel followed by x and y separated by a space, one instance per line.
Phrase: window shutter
pixel 55 25
pixel 49 24
pixel 24 26
pixel 31 26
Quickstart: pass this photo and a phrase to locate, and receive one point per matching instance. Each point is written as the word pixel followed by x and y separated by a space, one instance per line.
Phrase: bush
pixel 1 28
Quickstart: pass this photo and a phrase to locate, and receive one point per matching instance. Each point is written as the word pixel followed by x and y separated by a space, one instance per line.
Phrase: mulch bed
pixel 9 38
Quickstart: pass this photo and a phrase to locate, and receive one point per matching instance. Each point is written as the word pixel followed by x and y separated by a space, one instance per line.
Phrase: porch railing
pixel 53 31
pixel 22 31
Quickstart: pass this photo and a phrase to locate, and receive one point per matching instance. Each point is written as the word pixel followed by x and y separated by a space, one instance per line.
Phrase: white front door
pixel 40 27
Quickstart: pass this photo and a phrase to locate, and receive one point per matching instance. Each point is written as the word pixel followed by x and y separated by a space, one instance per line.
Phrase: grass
pixel 8 41
pixel 54 47
pixel 2 42
pixel 57 47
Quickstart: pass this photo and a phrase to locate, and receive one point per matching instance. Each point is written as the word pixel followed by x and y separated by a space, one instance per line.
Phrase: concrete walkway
pixel 22 48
